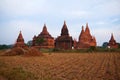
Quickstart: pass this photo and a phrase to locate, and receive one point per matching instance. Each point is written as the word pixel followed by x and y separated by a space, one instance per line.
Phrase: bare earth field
pixel 65 66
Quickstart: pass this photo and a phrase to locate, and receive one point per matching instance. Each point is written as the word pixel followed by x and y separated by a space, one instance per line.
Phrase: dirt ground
pixel 69 66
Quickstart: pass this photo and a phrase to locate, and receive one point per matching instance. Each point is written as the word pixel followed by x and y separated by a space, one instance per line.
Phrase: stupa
pixel 86 40
pixel 64 41
pixel 43 40
pixel 112 42
pixel 20 41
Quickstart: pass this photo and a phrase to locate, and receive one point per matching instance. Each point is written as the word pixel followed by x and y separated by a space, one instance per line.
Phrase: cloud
pixel 23 7
pixel 108 8
pixel 30 15
pixel 76 14
pixel 101 23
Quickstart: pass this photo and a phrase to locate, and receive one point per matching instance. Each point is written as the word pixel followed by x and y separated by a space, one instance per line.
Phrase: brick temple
pixel 112 42
pixel 86 40
pixel 43 40
pixel 20 41
pixel 64 41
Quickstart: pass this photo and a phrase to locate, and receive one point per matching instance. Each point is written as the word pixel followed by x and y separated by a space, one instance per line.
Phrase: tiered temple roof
pixel 86 40
pixel 64 41
pixel 20 41
pixel 44 39
pixel 112 42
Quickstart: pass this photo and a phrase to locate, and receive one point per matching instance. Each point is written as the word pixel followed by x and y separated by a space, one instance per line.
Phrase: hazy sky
pixel 29 16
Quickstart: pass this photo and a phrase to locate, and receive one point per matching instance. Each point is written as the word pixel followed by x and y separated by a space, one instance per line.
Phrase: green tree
pixel 29 43
pixel 118 45
pixel 4 46
pixel 40 40
pixel 105 44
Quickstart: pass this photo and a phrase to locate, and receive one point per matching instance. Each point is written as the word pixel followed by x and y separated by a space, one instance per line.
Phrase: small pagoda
pixel 64 41
pixel 86 40
pixel 43 40
pixel 20 41
pixel 112 42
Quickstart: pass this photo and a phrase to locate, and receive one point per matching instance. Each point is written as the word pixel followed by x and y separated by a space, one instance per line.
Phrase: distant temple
pixel 64 41
pixel 20 41
pixel 86 40
pixel 112 42
pixel 75 43
pixel 43 40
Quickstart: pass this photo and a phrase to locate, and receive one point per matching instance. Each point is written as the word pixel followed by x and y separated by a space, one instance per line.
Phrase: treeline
pixel 105 45
pixel 4 46
pixel 88 50
pixel 102 48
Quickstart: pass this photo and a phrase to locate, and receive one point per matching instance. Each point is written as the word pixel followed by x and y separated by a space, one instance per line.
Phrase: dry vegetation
pixel 22 51
pixel 62 66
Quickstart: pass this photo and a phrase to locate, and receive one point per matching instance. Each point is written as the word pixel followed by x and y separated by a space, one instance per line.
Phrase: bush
pixel 91 49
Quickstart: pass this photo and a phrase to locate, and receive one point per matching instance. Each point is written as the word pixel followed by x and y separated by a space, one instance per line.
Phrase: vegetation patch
pixel 23 51
pixel 86 50
pixel 16 73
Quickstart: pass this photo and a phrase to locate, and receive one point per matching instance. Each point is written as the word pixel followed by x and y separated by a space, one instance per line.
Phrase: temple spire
pixel 44 31
pixel 64 30
pixel 20 37
pixel 64 41
pixel 112 42
pixel 83 28
pixel 20 31
pixel 87 31
pixel 64 22
pixel 112 37
pixel 45 24
pixel 82 32
pixel 87 24
pixel 85 38
pixel 43 40
pixel 87 28
pixel 20 41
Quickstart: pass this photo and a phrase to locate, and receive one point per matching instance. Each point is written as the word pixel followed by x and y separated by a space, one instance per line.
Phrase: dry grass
pixel 22 51
pixel 71 66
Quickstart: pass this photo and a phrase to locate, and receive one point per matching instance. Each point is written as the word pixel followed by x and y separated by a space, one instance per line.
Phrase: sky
pixel 29 16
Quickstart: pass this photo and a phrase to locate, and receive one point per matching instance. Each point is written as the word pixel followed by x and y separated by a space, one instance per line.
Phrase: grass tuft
pixel 16 73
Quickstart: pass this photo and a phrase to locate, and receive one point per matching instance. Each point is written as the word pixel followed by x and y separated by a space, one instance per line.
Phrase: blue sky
pixel 29 16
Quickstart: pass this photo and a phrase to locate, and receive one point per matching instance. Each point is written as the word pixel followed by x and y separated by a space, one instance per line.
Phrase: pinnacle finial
pixel 112 34
pixel 87 24
pixel 82 27
pixel 20 31
pixel 64 22
pixel 44 24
